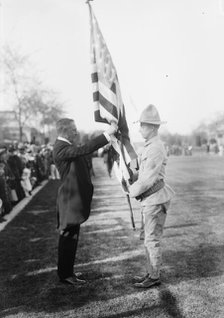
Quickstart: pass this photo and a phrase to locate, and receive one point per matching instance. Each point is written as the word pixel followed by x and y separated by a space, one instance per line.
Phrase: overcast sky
pixel 166 52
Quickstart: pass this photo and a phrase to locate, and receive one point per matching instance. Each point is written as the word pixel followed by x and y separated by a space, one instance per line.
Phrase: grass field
pixel 110 252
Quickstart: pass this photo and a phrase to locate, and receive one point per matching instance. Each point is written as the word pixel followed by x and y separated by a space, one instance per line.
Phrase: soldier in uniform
pixel 75 193
pixel 154 194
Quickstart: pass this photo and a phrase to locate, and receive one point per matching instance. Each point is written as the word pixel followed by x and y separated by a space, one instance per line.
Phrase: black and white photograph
pixel 112 158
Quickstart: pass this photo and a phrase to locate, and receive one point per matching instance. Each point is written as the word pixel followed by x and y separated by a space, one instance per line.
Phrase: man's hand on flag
pixel 112 129
pixel 114 124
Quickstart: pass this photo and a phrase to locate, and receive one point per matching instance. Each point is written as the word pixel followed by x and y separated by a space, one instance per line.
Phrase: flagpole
pixel 131 212
pixel 124 183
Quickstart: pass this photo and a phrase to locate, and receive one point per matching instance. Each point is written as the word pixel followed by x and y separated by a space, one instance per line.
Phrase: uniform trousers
pixel 67 247
pixel 154 217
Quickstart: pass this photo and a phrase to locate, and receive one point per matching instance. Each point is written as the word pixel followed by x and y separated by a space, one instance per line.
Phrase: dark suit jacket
pixel 75 193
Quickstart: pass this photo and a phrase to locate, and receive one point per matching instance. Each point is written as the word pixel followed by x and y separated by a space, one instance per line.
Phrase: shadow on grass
pixel 180 226
pixel 134 313
pixel 172 235
pixel 167 303
pixel 42 292
pixel 204 261
pixel 58 298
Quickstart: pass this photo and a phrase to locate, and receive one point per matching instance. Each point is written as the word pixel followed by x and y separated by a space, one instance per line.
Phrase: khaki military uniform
pixel 152 162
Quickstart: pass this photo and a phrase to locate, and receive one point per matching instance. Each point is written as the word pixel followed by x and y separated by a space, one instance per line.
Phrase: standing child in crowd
pixel 25 182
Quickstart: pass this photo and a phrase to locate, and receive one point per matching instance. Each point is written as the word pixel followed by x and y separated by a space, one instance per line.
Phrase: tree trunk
pixel 20 133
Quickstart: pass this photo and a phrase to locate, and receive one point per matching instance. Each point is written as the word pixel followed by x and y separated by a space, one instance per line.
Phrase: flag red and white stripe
pixel 108 104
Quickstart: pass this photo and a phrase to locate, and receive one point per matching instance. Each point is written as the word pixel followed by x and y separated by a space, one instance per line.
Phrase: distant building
pixel 9 127
pixel 220 138
pixel 216 137
pixel 9 130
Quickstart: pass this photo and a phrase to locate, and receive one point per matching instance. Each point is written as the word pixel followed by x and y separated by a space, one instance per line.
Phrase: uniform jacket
pixel 75 193
pixel 152 163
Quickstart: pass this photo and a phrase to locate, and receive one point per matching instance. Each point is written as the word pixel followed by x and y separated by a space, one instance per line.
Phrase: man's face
pixel 146 130
pixel 72 132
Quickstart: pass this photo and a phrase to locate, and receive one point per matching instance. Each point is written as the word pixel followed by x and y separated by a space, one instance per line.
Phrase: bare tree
pixel 28 98
pixel 50 110
pixel 22 87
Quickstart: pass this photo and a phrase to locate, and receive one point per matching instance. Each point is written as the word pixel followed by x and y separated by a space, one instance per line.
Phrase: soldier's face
pixel 146 130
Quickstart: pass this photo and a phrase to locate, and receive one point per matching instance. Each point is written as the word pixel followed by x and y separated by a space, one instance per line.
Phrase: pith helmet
pixel 150 115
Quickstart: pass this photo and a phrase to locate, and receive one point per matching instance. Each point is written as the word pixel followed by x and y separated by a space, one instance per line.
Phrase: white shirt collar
pixel 64 139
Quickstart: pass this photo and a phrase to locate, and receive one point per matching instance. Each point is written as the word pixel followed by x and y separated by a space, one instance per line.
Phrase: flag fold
pixel 108 104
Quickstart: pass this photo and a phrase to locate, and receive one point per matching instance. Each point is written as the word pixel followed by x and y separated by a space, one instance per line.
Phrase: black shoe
pixel 148 282
pixel 73 280
pixel 140 279
pixel 79 275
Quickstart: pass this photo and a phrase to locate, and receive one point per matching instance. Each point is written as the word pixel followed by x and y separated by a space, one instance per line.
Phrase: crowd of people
pixel 23 167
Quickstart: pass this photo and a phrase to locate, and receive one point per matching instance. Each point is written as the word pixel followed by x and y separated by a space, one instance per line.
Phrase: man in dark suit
pixel 75 193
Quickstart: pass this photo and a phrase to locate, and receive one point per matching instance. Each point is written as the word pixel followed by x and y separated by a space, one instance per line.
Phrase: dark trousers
pixel 67 246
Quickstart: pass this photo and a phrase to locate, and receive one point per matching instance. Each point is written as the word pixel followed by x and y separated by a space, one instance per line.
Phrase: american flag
pixel 108 104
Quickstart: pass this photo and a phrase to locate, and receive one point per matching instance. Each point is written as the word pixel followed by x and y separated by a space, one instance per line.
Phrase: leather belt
pixel 156 187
